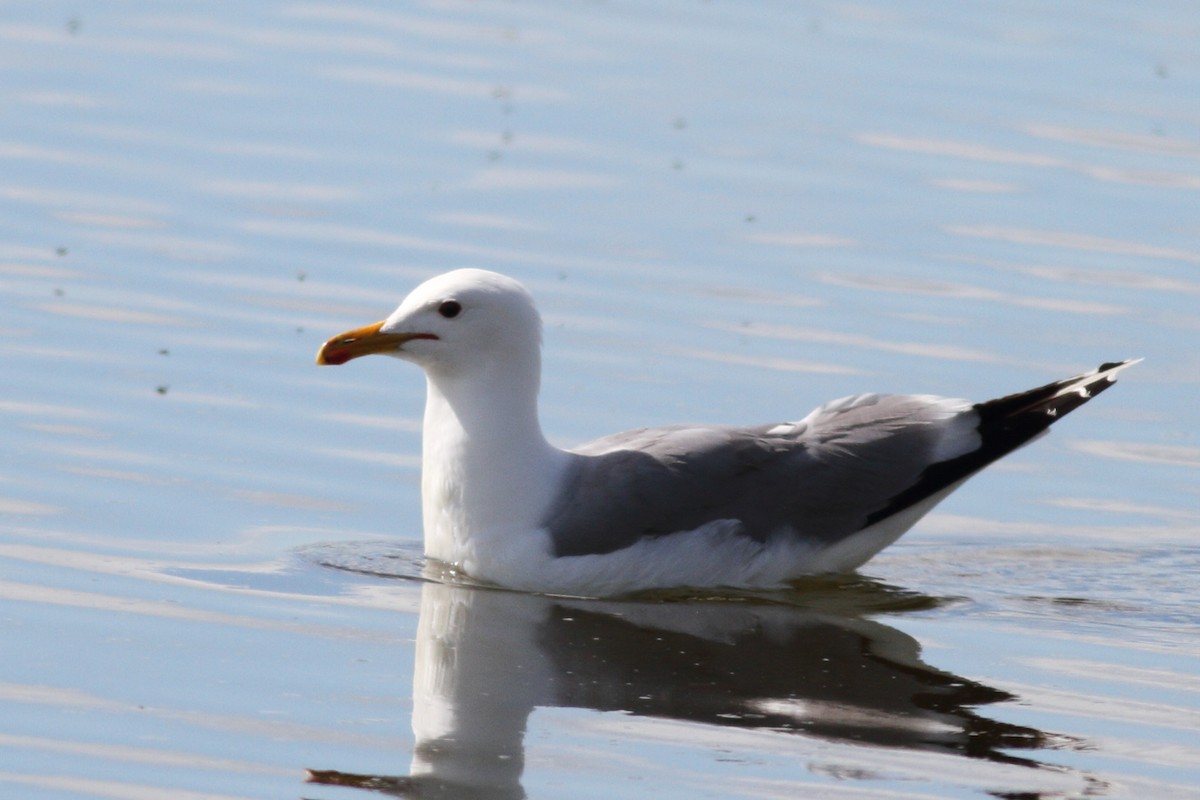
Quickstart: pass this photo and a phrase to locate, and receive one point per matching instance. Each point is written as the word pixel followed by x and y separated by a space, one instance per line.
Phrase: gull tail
pixel 1036 409
pixel 1015 420
pixel 1006 424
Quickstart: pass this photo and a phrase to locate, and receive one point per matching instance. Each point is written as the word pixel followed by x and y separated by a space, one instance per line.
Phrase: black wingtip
pixel 1116 366
pixel 1054 400
pixel 1006 424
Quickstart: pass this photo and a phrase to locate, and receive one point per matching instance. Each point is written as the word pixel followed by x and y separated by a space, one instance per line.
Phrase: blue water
pixel 727 213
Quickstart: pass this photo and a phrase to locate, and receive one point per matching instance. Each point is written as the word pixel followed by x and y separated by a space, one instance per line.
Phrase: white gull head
pixel 487 470
pixel 467 323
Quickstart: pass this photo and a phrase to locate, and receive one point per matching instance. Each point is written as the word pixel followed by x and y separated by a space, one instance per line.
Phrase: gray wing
pixel 822 478
pixel 845 466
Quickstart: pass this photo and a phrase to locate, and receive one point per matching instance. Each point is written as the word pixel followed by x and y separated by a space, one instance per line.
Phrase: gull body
pixel 679 506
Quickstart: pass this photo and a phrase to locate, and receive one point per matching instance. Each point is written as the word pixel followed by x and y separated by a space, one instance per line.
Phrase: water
pixel 728 214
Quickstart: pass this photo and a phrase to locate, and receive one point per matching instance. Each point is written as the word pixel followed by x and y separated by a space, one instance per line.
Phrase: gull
pixel 681 506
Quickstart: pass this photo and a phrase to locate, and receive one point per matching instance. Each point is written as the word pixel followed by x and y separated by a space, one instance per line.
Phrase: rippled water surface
pixel 209 548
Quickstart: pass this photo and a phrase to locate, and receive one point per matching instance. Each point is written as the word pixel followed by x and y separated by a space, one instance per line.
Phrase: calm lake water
pixel 729 212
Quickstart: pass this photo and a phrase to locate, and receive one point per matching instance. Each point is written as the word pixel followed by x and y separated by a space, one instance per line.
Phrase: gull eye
pixel 450 309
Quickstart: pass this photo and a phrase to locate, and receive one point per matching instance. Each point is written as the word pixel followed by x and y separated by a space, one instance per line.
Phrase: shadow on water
pixel 806 661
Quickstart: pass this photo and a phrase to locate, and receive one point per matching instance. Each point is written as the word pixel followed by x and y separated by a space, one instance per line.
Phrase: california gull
pixel 677 506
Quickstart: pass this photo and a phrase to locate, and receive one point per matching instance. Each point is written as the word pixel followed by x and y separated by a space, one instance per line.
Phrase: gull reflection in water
pixel 487 658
